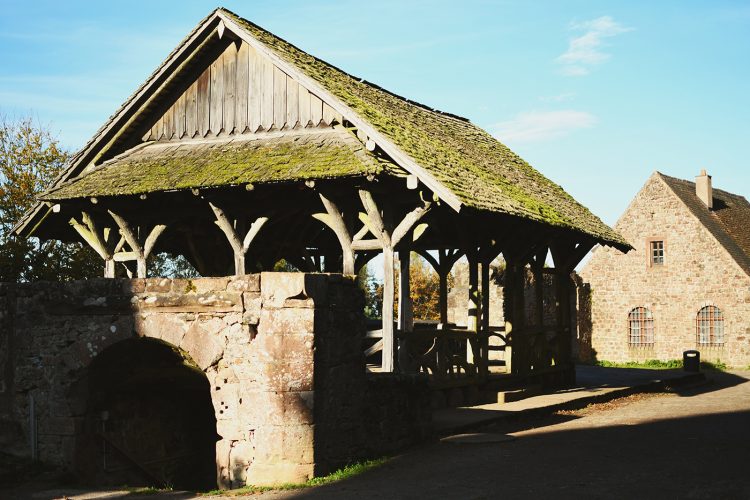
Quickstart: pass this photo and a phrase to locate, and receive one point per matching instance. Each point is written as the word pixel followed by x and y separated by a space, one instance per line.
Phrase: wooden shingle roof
pixel 237 160
pixel 728 221
pixel 462 163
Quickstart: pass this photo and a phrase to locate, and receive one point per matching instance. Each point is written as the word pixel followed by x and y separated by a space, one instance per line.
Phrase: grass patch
pixel 145 490
pixel 657 364
pixel 347 472
pixel 651 364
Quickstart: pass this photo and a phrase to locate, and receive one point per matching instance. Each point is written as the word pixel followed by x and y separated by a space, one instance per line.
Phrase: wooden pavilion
pixel 242 149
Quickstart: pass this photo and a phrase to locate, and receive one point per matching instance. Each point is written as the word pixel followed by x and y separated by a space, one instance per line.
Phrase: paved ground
pixel 691 444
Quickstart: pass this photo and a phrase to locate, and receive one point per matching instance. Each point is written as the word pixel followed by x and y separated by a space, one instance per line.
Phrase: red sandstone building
pixel 685 286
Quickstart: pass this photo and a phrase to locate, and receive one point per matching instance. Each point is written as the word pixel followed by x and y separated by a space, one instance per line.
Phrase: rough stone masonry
pixel 282 353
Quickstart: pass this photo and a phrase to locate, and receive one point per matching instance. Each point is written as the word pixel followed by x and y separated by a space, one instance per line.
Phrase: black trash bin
pixel 691 361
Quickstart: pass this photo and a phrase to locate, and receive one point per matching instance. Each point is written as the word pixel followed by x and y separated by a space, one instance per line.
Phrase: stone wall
pixel 697 271
pixel 282 353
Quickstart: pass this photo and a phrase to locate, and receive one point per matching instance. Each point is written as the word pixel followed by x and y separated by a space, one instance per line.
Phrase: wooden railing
pixel 445 352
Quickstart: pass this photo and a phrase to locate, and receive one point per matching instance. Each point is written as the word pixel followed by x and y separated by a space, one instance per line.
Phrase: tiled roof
pixel 728 221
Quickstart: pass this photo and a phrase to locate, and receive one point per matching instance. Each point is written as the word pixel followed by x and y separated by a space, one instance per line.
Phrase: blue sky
pixel 594 94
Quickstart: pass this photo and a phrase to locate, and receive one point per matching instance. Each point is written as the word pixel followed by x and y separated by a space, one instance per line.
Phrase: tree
pixel 30 159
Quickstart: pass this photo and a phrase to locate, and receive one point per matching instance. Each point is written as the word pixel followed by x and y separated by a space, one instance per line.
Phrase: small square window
pixel 657 253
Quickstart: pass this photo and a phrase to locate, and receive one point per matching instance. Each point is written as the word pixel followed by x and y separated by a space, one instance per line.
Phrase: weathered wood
pixel 330 115
pixel 204 102
pixel 334 219
pixel 216 94
pixel 405 310
pixel 279 98
pixel 304 106
pixel 229 60
pixel 389 361
pixel 140 250
pixel 239 246
pixel 267 94
pixel 242 89
pixel 191 111
pixel 408 222
pixel 365 245
pixel 316 110
pixel 255 92
pixel 292 102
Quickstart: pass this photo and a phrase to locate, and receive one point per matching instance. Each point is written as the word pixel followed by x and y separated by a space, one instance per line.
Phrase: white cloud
pixel 585 50
pixel 536 126
pixel 565 96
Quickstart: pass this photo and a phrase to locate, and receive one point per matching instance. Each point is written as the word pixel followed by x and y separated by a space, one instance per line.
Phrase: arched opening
pixel 149 419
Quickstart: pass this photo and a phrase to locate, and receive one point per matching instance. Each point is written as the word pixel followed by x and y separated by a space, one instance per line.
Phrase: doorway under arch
pixel 149 419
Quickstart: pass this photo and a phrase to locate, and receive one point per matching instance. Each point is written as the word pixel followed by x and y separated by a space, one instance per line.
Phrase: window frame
pixel 643 317
pixel 650 251
pixel 710 317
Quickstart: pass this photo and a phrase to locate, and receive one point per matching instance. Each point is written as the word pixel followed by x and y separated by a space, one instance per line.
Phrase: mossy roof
pixel 482 172
pixel 164 166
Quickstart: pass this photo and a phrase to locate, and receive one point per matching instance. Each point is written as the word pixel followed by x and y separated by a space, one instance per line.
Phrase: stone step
pixel 518 394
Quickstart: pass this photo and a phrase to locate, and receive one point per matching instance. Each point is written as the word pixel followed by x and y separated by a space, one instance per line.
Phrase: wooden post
pixel 139 251
pixel 381 227
pixel 387 313
pixel 405 309
pixel 334 219
pixel 473 306
pixel 240 246
pixel 100 241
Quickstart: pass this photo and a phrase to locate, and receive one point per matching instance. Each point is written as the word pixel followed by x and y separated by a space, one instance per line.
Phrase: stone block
pixel 246 283
pixel 208 285
pixel 276 321
pixel 275 444
pixel 158 285
pixel 203 343
pixel 293 290
pixel 261 474
pixel 252 304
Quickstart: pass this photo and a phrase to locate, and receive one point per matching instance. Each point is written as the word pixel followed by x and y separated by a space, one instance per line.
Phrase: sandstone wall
pixel 697 272
pixel 282 353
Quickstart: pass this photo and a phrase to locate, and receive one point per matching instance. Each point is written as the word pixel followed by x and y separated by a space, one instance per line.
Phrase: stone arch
pixel 148 418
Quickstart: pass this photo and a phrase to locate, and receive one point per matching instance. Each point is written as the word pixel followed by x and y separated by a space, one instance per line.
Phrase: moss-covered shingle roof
pixel 164 166
pixel 482 172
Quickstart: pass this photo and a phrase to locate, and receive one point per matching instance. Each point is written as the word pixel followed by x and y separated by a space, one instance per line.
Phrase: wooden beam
pixel 334 219
pixel 405 309
pixel 89 231
pixel 239 246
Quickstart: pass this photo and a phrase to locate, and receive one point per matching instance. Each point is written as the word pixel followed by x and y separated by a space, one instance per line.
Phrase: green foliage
pixel 656 364
pixel 30 159
pixel 652 364
pixel 170 266
pixel 347 472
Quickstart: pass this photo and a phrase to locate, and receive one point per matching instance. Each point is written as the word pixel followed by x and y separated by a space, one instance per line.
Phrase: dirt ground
pixel 691 444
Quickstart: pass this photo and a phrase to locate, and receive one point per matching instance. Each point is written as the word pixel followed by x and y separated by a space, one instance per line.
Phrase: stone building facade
pixel 686 284
pixel 263 375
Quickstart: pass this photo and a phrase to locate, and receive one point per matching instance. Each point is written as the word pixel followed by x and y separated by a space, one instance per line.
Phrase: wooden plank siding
pixel 241 92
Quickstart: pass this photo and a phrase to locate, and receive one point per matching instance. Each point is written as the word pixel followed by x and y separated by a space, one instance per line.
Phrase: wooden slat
pixel 242 87
pixel 316 110
pixel 292 102
pixel 266 111
pixel 304 107
pixel 376 347
pixel 329 115
pixel 230 77
pixel 204 102
pixel 279 98
pixel 179 117
pixel 216 115
pixel 191 110
pixel 255 96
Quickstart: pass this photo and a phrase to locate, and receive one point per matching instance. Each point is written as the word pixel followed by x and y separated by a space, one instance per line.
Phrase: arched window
pixel 641 326
pixel 709 326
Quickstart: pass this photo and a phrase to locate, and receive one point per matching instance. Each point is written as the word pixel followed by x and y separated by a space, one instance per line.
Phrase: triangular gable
pixel 241 91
